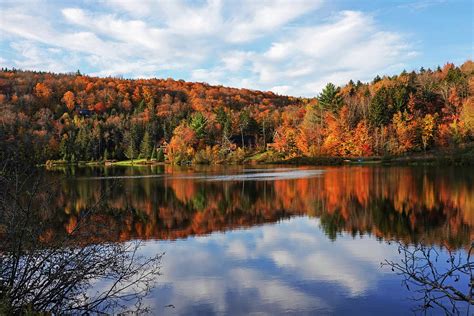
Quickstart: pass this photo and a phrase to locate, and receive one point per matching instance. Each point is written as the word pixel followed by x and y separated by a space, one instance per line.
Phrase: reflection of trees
pixel 403 204
pixel 42 271
pixel 437 285
pixel 380 218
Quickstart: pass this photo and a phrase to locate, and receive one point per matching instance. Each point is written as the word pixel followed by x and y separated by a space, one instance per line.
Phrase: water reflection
pixel 433 205
pixel 275 240
pixel 289 267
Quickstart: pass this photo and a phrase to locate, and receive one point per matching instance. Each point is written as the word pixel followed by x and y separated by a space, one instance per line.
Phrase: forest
pixel 73 118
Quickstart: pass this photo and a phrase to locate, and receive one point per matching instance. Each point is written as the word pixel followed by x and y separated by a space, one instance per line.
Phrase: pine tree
pixel 330 99
pixel 131 149
pixel 198 124
pixel 224 120
pixel 381 109
pixel 146 146
pixel 82 147
pixel 130 152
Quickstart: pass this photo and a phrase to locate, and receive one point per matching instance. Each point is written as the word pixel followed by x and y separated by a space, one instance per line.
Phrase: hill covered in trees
pixel 73 117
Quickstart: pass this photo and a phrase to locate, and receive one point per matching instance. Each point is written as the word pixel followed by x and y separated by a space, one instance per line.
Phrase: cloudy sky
pixel 288 46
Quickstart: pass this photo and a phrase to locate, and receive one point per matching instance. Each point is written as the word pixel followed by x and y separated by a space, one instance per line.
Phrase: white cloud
pixel 283 90
pixel 206 75
pixel 74 15
pixel 303 59
pixel 350 46
pixel 29 56
pixel 267 263
pixel 259 17
pixel 254 44
pixel 135 8
pixel 277 292
pixel 235 60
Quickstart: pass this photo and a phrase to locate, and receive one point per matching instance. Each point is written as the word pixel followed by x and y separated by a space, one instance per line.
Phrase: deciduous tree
pixel 69 99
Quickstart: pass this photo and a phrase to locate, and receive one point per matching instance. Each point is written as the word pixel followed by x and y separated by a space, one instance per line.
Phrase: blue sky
pixel 288 46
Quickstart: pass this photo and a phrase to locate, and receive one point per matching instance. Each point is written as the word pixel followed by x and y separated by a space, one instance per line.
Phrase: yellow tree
pixel 428 126
pixel 310 137
pixel 467 115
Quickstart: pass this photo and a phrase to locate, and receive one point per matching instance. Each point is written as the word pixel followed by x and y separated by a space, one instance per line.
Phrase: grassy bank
pixel 136 162
pixel 128 163
pixel 459 156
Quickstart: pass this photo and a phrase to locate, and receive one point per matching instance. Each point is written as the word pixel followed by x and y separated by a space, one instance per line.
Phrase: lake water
pixel 273 240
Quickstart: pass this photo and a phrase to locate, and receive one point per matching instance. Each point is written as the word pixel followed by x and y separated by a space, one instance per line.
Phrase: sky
pixel 291 47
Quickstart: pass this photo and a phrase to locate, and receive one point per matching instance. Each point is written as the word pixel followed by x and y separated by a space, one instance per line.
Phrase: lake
pixel 274 240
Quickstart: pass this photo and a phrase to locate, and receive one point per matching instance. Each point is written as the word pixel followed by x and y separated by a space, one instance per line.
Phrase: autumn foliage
pixel 412 204
pixel 80 118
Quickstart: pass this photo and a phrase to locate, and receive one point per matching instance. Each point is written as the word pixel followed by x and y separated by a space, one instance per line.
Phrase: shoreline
pixel 458 157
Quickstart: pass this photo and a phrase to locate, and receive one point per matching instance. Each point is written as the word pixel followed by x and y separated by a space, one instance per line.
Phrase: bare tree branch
pixel 59 275
pixel 448 287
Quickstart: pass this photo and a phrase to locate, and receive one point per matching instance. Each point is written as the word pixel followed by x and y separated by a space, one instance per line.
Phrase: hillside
pixel 74 117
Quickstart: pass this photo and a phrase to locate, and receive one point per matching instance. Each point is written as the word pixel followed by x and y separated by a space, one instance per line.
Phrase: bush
pixel 209 155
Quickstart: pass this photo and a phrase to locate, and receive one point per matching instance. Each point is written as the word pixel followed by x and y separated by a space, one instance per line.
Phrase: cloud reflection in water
pixel 289 267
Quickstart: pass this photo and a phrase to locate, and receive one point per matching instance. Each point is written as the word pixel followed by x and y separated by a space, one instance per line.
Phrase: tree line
pixel 74 117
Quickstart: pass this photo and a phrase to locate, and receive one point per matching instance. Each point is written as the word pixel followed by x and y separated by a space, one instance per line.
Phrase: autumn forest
pixel 77 118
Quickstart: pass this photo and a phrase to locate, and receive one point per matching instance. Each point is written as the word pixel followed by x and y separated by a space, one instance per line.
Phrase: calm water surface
pixel 275 240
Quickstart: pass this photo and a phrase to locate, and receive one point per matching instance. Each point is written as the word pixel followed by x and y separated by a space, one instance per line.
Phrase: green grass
pixel 134 162
pixel 264 157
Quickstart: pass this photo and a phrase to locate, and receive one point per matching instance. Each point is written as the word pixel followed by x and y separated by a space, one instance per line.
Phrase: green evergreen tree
pixel 198 124
pixel 330 99
pixel 130 151
pixel 376 79
pixel 146 146
pixel 82 148
pixel 131 142
pixel 224 120
pixel 380 110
